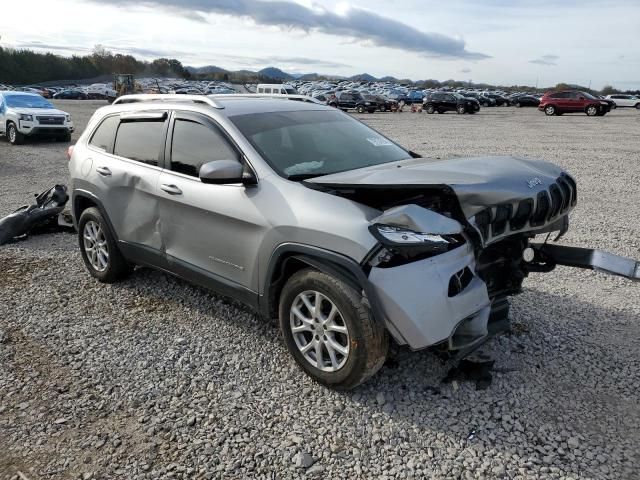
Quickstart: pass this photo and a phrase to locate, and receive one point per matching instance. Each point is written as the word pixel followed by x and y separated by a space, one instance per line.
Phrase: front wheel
pixel 550 110
pixel 592 110
pixel 518 104
pixel 330 331
pixel 14 136
pixel 637 106
pixel 430 109
pixel 99 249
pixel 461 109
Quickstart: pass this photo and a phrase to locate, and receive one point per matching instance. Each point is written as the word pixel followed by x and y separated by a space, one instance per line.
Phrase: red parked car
pixel 572 101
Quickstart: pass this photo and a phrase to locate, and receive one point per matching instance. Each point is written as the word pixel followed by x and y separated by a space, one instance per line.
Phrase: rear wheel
pixel 518 104
pixel 329 331
pixel 592 110
pixel 14 136
pixel 360 109
pixel 99 249
pixel 550 110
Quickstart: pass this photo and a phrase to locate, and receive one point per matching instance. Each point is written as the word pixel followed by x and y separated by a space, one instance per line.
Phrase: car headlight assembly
pixel 401 245
pixel 26 118
pixel 68 118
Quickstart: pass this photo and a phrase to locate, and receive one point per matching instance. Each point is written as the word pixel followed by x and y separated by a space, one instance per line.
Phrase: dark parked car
pixel 525 101
pixel 500 100
pixel 482 100
pixel 384 104
pixel 448 101
pixel 353 100
pixel 572 101
pixel 71 95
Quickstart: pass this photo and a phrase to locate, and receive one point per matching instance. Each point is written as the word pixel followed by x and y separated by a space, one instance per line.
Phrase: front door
pixel 213 229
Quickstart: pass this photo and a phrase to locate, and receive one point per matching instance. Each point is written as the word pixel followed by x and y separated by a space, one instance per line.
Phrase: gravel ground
pixel 154 378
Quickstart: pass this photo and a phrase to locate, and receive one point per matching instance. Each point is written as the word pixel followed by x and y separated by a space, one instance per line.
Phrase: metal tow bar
pixel 587 258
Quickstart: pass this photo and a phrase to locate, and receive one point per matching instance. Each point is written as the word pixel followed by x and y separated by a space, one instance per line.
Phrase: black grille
pixel 47 120
pixel 545 207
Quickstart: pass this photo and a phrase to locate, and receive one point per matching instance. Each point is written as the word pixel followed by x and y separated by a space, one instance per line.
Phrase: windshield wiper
pixel 304 176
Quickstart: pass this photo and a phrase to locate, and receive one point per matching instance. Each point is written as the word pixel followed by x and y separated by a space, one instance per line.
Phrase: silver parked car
pixel 308 215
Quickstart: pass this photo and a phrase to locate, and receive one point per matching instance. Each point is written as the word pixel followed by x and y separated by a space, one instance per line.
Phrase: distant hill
pixel 388 79
pixel 207 69
pixel 363 77
pixel 275 74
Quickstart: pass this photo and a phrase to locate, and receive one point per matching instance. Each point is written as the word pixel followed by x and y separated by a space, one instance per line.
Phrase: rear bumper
pixel 418 311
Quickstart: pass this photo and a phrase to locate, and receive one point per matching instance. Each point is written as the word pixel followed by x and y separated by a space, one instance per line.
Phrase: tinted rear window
pixel 105 133
pixel 140 141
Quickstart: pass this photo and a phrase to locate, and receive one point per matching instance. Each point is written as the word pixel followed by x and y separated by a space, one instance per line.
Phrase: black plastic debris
pixel 46 215
pixel 476 370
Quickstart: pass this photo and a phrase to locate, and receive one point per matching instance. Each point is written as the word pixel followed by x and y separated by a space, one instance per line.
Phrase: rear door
pixel 208 229
pixel 125 171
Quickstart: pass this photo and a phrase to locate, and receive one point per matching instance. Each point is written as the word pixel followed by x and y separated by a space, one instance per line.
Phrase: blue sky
pixel 495 41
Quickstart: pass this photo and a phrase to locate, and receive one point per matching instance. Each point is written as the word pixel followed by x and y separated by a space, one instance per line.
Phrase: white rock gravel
pixel 155 378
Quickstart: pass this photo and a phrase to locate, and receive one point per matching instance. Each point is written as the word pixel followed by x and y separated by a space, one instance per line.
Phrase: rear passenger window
pixel 195 144
pixel 140 141
pixel 105 133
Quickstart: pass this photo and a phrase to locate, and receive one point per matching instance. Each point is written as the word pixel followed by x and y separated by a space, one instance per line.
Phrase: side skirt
pixel 148 257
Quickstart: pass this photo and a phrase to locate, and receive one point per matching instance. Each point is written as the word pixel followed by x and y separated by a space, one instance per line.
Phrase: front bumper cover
pixel 414 299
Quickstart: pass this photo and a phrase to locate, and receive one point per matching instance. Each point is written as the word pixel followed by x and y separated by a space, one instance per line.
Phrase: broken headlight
pixel 401 245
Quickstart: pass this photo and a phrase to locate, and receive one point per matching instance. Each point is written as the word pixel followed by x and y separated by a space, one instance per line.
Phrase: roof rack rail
pixel 290 96
pixel 165 97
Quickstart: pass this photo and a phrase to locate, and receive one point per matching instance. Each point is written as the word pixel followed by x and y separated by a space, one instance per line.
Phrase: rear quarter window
pixel 104 135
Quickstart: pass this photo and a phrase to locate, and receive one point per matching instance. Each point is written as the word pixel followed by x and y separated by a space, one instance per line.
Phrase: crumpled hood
pixel 478 182
pixel 39 111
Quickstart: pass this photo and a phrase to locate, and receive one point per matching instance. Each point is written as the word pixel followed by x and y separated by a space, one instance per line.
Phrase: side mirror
pixel 223 172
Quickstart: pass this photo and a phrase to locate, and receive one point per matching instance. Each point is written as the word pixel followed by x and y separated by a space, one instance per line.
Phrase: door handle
pixel 171 189
pixel 104 171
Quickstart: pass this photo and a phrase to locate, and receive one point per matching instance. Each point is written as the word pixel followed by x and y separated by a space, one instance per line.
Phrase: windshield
pixel 305 144
pixel 588 95
pixel 27 101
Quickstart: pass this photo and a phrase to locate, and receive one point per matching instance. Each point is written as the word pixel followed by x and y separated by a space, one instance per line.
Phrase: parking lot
pixel 155 378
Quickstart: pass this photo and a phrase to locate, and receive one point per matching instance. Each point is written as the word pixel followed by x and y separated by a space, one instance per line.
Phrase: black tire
pixel 592 110
pixel 430 109
pixel 14 136
pixel 117 267
pixel 550 110
pixel 638 106
pixel 440 111
pixel 372 110
pixel 65 137
pixel 461 109
pixel 360 109
pixel 368 340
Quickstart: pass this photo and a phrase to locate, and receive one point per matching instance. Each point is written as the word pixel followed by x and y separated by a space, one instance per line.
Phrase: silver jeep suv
pixel 308 215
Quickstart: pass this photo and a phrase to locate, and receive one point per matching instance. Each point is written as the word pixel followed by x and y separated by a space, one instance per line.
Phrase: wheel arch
pixel 81 200
pixel 290 258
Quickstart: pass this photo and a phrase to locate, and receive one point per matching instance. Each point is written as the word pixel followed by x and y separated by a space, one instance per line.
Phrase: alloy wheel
pixel 319 331
pixel 12 134
pixel 95 246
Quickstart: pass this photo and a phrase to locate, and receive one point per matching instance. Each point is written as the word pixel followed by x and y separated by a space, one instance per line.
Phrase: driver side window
pixel 194 144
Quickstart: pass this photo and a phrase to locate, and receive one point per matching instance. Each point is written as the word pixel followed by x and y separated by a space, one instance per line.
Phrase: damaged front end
pixel 449 255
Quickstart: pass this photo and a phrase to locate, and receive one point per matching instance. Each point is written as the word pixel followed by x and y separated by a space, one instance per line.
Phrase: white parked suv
pixel 25 114
pixel 625 100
